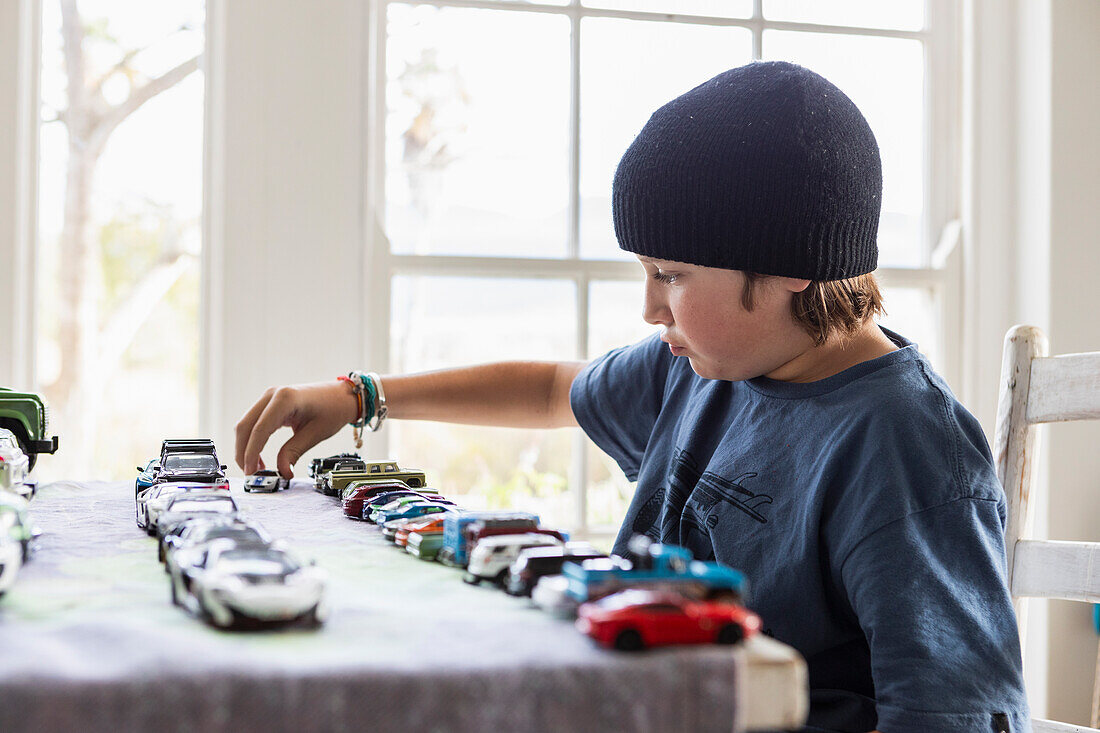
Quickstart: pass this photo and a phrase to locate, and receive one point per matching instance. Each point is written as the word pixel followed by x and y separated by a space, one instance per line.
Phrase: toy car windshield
pixel 192 505
pixel 190 463
pixel 256 561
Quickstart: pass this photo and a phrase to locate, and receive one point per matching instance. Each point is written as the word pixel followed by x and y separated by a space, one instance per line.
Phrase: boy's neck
pixel 836 355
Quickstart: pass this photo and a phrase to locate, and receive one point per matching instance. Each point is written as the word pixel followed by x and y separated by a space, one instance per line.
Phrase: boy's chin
pixel 711 371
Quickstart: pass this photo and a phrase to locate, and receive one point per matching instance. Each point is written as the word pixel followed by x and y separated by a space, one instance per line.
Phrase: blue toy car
pixel 455 550
pixel 412 510
pixel 146 476
pixel 370 506
pixel 652 565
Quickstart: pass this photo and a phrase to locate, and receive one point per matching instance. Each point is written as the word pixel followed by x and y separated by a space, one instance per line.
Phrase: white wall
pixel 284 202
pixel 1032 218
pixel 1074 276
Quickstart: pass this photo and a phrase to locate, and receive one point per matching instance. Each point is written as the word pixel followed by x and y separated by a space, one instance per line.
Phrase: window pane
pixel 912 312
pixel 443 322
pixel 713 8
pixel 117 266
pixel 477 132
pixel 885 79
pixel 615 315
pixel 895 15
pixel 629 69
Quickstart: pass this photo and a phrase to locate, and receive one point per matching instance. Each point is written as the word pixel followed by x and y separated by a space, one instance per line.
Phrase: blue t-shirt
pixel 864 509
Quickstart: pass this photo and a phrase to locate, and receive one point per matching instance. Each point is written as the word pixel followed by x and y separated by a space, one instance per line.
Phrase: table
pixel 90 641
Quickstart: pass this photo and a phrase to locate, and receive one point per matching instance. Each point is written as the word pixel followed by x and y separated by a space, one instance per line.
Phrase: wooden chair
pixel 1035 389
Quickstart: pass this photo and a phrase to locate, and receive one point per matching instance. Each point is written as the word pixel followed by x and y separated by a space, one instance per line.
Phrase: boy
pixel 773 426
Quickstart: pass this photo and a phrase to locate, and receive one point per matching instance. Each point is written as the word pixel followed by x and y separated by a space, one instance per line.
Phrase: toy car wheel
pixel 502 578
pixel 150 529
pixel 137 517
pixel 471 578
pixel 160 551
pixel 730 634
pixel 629 640
pixel 247 490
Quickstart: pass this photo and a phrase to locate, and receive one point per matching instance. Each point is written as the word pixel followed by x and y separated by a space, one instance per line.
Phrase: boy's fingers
pixel 273 417
pixel 303 439
pixel 243 431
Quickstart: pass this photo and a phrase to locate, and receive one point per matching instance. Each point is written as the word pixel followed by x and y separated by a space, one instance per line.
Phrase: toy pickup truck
pixel 28 417
pixel 653 565
pixel 334 482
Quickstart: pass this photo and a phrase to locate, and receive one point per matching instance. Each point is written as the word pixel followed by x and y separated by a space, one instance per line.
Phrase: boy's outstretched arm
pixel 521 394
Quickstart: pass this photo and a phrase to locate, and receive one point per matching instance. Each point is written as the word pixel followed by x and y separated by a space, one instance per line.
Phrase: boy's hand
pixel 313 411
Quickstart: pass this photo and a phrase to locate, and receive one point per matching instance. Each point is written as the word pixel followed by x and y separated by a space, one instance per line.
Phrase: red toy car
pixel 353 504
pixel 634 619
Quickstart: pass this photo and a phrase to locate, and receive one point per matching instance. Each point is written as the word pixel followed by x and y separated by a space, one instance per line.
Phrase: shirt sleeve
pixel 617 398
pixel 930 593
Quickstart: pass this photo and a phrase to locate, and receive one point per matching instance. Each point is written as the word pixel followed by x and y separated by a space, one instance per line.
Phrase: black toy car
pixel 537 562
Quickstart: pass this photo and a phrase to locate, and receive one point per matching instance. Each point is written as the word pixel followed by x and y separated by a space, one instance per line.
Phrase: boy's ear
pixel 793 284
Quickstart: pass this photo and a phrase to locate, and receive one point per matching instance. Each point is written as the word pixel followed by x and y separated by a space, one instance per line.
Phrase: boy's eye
pixel 663 277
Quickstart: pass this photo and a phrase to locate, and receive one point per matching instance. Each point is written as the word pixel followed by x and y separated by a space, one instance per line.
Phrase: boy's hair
pixel 828 307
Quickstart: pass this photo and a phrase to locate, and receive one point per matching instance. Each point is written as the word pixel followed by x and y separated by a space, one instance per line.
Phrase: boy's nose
pixel 654 309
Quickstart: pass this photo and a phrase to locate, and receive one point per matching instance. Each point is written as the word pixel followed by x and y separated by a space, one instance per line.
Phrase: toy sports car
pixel 205 528
pixel 266 481
pixel 190 504
pixel 152 501
pixel 242 585
pixel 634 619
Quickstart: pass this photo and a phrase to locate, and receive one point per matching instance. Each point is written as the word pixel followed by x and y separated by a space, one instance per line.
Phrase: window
pixel 119 210
pixel 497 129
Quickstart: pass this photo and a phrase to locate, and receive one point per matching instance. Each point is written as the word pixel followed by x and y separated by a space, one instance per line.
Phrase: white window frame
pixel 942 124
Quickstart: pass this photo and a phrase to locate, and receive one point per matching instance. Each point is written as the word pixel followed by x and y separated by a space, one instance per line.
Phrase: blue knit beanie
pixel 768 168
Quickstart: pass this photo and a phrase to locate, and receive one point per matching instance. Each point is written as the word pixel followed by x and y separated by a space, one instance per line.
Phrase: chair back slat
pixel 1052 569
pixel 1015 443
pixel 1051 726
pixel 1064 388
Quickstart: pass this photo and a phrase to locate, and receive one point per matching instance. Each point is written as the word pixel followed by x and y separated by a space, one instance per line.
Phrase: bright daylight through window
pixel 503 127
pixel 119 212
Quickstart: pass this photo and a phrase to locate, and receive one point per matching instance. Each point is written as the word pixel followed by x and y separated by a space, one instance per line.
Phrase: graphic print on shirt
pixel 683 512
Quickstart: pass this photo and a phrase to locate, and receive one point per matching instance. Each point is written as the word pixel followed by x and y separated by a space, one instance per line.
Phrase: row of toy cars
pixel 17 488
pixel 223 567
pixel 657 594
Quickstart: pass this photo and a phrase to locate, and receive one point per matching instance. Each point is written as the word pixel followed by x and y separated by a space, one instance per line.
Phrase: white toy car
pixel 15 524
pixel 491 557
pixel 266 481
pixel 152 501
pixel 239 585
pixel 550 594
pixel 11 553
pixel 14 472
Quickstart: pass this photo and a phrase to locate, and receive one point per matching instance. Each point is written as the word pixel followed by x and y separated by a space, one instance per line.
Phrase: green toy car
pixel 26 415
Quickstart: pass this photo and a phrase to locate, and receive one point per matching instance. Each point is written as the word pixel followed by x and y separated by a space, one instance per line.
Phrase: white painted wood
pixel 20 43
pixel 1052 569
pixel 1065 388
pixel 285 239
pixel 1051 726
pixel 1035 388
pixel 775 695
pixel 1015 442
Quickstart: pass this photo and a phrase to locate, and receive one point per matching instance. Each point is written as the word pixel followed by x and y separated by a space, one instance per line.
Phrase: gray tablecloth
pixel 89 641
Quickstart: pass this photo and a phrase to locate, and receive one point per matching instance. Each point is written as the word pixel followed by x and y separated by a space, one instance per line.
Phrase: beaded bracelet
pixel 371 408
